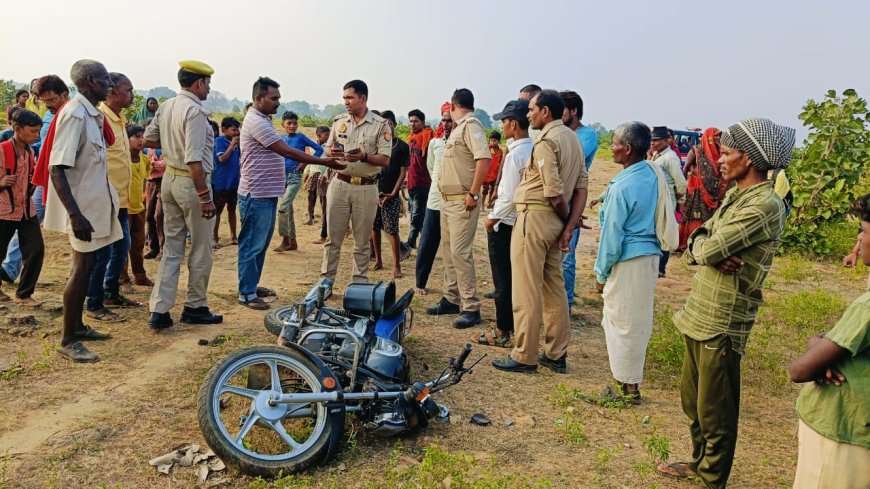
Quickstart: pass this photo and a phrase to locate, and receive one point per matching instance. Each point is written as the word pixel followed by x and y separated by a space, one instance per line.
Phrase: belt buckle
pixel 356 180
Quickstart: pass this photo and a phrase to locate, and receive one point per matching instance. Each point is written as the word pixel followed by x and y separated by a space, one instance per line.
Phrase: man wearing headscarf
pixel 734 249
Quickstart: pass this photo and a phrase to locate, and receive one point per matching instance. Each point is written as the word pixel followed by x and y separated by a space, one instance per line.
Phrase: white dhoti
pixel 628 316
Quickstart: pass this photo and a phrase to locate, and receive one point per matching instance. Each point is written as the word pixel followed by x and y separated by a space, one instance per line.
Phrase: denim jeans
pixel 417 203
pixel 569 267
pixel 12 263
pixel 107 270
pixel 258 225
pixel 286 220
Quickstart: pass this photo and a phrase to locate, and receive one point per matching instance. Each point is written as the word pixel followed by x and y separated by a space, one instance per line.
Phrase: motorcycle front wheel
pixel 245 431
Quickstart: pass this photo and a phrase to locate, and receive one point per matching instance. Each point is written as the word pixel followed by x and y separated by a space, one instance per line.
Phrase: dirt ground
pixel 67 426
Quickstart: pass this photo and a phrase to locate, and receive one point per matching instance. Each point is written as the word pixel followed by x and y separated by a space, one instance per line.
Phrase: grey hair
pixel 82 69
pixel 635 134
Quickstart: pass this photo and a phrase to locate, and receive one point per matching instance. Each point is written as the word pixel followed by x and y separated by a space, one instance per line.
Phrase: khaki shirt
pixel 372 136
pixel 555 168
pixel 467 144
pixel 118 154
pixel 79 146
pixel 181 127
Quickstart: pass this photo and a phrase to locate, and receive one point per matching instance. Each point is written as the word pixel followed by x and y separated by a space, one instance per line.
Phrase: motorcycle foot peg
pixel 288 334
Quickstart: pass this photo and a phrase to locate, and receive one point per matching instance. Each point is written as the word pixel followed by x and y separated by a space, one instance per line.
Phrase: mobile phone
pixel 338 146
pixel 354 151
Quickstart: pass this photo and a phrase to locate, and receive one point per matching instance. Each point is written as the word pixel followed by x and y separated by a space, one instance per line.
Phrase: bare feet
pixel 4 297
pixel 234 241
pixel 309 222
pixel 320 241
pixel 216 244
pixel 420 291
pixel 128 288
pixel 287 244
pixel 293 244
pixel 26 302
pixel 397 273
pixel 376 266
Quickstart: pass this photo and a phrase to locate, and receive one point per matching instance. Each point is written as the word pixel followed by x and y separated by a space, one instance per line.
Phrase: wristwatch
pixel 474 197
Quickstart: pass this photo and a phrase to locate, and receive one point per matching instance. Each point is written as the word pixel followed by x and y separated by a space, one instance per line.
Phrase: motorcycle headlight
pixel 387 347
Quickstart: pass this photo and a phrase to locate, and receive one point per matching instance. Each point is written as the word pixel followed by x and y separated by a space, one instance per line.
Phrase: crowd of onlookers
pixel 155 186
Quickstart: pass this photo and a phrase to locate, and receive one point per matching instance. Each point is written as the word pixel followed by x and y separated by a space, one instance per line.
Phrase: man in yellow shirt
pixel 140 168
pixel 33 103
pixel 105 288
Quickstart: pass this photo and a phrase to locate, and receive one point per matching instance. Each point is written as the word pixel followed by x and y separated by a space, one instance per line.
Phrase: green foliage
pixel 666 349
pixel 483 117
pixel 825 173
pixel 605 139
pixel 138 102
pixel 784 324
pixel 572 430
pixel 311 121
pixel 403 131
pixel 7 95
pixel 658 447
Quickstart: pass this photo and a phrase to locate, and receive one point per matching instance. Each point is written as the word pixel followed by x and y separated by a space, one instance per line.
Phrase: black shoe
pixel 510 365
pixel 200 315
pixel 443 307
pixel 490 294
pixel 404 251
pixel 467 319
pixel 159 321
pixel 559 366
pixel 87 333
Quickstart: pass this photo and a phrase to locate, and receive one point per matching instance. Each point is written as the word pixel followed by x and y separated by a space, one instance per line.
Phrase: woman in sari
pixel 147 112
pixel 705 186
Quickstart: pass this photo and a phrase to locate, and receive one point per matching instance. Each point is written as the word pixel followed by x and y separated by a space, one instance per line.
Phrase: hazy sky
pixel 664 62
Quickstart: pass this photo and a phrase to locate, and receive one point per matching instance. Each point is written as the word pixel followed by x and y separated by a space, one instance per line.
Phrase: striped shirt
pixel 748 224
pixel 262 170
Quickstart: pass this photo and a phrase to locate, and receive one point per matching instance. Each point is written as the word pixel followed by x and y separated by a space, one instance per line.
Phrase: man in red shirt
pixel 419 180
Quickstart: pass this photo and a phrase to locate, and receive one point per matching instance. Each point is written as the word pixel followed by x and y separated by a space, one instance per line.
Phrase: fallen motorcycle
pixel 272 409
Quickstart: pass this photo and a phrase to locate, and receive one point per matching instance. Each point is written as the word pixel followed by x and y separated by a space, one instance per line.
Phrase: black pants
pixel 32 252
pixel 430 239
pixel 499 244
pixel 663 262
pixel 417 202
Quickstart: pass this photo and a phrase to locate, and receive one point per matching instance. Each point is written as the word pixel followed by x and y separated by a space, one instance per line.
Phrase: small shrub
pixel 657 447
pixel 666 349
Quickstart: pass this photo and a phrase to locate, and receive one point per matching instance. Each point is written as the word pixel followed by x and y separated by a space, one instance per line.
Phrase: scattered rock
pixel 342 467
pixel 570 409
pixel 202 342
pixel 480 419
pixel 447 482
pixel 187 456
pixel 52 307
pixel 27 320
pixel 509 422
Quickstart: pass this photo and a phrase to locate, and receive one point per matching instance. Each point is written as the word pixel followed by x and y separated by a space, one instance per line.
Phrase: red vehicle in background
pixel 685 141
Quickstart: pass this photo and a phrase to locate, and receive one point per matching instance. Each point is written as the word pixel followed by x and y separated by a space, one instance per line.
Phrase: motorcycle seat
pixel 400 305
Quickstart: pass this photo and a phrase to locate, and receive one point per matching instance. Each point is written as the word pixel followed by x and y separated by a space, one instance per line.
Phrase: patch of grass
pixel 658 447
pixel 45 355
pixel 784 324
pixel 604 456
pixel 440 467
pixel 666 349
pixel 11 372
pixel 795 268
pixel 567 397
pixel 572 430
pixel 292 481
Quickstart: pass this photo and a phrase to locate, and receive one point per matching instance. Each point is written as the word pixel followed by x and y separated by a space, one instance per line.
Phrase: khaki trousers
pixel 182 214
pixel 538 287
pixel 823 462
pixel 355 205
pixel 457 237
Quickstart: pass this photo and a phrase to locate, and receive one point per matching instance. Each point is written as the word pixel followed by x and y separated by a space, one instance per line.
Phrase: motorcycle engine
pixel 393 417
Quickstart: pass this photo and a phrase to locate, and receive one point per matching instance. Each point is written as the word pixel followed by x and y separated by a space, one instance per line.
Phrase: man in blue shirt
pixel 225 179
pixel 628 257
pixel 589 142
pixel 296 140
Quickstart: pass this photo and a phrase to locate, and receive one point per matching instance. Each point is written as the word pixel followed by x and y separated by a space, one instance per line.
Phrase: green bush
pixel 826 173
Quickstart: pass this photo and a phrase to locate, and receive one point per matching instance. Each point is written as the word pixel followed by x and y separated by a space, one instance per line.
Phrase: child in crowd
pixel 389 204
pixel 490 183
pixel 834 407
pixel 317 184
pixel 139 170
pixel 296 140
pixel 225 179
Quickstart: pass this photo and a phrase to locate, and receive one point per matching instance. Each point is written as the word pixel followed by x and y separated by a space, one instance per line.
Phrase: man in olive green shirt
pixel 735 249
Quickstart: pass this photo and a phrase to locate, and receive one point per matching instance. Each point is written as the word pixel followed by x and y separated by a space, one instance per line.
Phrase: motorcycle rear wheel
pixel 266 440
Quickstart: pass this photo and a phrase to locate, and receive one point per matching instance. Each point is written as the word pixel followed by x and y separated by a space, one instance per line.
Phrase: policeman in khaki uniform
pixel 554 181
pixel 181 129
pixel 463 169
pixel 362 140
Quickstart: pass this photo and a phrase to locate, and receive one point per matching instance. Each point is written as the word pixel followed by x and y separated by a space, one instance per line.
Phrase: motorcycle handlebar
pixel 463 355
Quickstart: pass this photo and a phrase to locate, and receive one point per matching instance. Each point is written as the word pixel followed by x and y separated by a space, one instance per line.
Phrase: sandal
pixel 491 338
pixel 676 470
pixel 4 297
pixel 255 304
pixel 264 292
pixel 121 301
pixel 105 316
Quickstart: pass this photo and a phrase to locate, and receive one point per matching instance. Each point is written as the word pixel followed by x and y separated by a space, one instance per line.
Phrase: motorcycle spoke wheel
pixel 254 427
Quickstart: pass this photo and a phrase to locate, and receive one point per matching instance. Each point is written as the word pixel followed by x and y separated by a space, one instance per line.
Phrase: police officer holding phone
pixel 361 140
